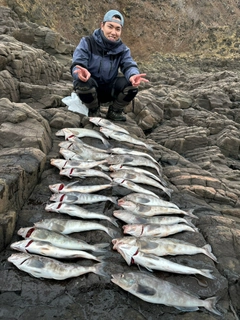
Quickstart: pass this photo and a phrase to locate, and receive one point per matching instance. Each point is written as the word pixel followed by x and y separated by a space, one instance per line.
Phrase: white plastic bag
pixel 75 104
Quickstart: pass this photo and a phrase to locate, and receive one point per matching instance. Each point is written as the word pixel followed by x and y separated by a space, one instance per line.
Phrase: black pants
pixel 106 92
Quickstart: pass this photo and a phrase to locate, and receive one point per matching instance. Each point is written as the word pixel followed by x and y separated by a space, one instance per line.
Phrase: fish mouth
pixel 116 277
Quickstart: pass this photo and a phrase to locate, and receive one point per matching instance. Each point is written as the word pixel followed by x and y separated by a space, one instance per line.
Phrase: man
pixel 95 69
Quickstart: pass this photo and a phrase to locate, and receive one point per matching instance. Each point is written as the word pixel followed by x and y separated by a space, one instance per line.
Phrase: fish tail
pixel 113 221
pixel 190 213
pixel 188 220
pixel 112 233
pixel 210 304
pixel 101 247
pixel 207 273
pixel 106 143
pixel 168 191
pixel 99 269
pixel 208 251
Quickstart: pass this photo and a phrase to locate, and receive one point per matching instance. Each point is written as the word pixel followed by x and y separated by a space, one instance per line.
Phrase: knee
pixel 129 93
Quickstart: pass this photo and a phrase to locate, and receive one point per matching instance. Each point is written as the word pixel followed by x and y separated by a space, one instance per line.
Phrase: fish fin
pixel 145 290
pixel 71 183
pixel 99 269
pixel 128 252
pixel 210 303
pixel 100 247
pixel 208 252
pixel 113 199
pixel 185 309
pixel 207 273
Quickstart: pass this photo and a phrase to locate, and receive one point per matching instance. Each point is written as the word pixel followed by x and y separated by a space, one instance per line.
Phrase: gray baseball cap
pixel 109 16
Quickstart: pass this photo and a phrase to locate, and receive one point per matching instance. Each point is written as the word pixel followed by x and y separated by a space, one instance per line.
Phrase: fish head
pixel 133 229
pixel 21 245
pixel 65 144
pixel 124 280
pixel 25 232
pixel 115 167
pixel 126 204
pixel 56 188
pixel 125 240
pixel 66 172
pixel 59 163
pixel 127 251
pixel 19 258
pixel 95 120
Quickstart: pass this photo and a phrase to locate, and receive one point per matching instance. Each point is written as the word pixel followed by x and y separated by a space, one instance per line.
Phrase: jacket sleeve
pixel 127 65
pixel 80 57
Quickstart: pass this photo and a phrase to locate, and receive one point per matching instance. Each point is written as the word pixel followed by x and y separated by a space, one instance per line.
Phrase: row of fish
pixel 148 220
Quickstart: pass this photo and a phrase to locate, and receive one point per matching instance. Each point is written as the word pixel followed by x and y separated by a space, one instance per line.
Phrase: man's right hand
pixel 83 74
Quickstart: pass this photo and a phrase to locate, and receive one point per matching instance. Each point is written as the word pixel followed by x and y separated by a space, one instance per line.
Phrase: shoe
pixel 115 116
pixel 94 112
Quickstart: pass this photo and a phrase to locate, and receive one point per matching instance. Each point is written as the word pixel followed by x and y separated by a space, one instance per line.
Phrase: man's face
pixel 111 30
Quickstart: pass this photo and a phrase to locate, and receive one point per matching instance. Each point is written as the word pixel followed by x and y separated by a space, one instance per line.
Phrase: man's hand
pixel 83 74
pixel 137 79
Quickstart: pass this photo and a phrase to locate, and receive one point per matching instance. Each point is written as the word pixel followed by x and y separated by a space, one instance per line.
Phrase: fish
pixel 132 186
pixel 149 211
pixel 123 137
pixel 82 153
pixel 81 133
pixel 107 124
pixel 72 187
pixel 130 217
pixel 49 268
pixel 154 290
pixel 47 249
pixel 140 178
pixel 59 240
pixel 164 246
pixel 77 144
pixel 80 164
pixel 117 167
pixel 67 226
pixel 77 211
pixel 156 230
pixel 133 152
pixel 80 173
pixel 70 155
pixel 132 160
pixel 148 200
pixel 132 255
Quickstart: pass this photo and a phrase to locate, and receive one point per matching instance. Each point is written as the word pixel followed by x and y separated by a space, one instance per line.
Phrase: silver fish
pixel 164 246
pixel 151 289
pixel 72 187
pixel 123 137
pixel 47 249
pixel 77 211
pixel 132 160
pixel 107 124
pixel 117 167
pixel 130 217
pixel 133 152
pixel 70 155
pixel 132 255
pixel 156 230
pixel 80 173
pixel 132 186
pixel 77 144
pixel 141 198
pixel 149 211
pixel 59 240
pixel 81 133
pixel 67 226
pixel 140 178
pixel 80 164
pixel 43 267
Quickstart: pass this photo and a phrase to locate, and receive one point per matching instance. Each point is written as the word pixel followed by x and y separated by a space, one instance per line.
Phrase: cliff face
pixel 172 26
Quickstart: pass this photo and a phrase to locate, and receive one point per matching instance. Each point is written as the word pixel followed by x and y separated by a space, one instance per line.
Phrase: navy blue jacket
pixel 102 63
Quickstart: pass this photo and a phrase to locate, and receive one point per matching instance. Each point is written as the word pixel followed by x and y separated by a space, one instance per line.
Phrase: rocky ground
pixel 189 113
